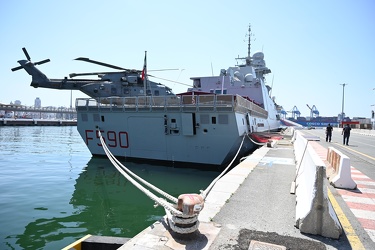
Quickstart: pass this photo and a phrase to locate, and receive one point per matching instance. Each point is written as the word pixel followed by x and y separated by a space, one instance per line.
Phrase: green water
pixel 52 192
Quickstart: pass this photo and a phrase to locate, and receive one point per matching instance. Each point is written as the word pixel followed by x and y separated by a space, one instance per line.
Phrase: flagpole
pixel 144 73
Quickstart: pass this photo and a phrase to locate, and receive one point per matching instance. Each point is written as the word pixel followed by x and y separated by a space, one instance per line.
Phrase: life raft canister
pixel 190 204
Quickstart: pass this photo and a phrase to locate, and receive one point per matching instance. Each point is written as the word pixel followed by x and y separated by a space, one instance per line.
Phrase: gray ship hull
pixel 208 130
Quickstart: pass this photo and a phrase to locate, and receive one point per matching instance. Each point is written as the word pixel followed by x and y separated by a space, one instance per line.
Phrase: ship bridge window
pixel 148 92
pixel 156 93
pixel 197 83
pixel 213 120
pixel 218 91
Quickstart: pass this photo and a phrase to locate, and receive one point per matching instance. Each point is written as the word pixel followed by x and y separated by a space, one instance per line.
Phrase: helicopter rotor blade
pixel 26 54
pixel 85 59
pixel 161 70
pixel 17 68
pixel 43 61
pixel 29 60
pixel 71 75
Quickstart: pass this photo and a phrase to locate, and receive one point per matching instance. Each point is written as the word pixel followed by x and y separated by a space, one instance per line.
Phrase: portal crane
pixel 313 111
pixel 295 112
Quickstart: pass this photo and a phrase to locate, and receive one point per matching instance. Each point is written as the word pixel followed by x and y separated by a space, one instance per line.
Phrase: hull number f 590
pixel 112 138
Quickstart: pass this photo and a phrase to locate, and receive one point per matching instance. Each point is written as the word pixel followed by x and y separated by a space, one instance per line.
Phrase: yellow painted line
pixel 355 151
pixel 77 244
pixel 353 238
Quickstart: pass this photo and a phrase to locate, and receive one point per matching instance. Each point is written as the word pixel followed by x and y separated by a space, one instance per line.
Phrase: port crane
pixel 313 111
pixel 295 112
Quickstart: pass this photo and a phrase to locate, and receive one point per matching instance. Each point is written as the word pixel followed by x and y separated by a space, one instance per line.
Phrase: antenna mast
pixel 249 43
pixel 248 58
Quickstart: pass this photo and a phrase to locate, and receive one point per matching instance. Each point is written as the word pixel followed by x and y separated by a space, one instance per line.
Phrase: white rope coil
pixel 184 220
pixel 173 221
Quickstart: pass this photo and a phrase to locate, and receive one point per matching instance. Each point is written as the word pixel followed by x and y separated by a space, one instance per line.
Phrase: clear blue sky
pixel 311 46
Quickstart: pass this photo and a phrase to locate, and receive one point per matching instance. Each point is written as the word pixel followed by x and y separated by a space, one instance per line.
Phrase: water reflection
pixel 105 203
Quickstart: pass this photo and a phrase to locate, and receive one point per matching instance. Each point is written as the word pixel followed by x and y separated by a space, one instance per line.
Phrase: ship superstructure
pixel 205 125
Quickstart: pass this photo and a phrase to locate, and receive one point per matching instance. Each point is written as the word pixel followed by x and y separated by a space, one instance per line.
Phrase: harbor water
pixel 52 192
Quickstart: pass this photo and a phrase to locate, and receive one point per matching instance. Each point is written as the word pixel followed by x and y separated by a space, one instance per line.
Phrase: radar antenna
pixel 248 58
pixel 249 42
pixel 249 35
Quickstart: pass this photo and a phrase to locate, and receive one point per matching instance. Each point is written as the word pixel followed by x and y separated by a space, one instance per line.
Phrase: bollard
pixel 190 205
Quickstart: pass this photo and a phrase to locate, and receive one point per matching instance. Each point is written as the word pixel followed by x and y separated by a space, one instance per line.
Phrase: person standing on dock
pixel 346 133
pixel 329 132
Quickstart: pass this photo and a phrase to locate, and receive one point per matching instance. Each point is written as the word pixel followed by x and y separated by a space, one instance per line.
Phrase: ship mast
pixel 249 43
pixel 248 58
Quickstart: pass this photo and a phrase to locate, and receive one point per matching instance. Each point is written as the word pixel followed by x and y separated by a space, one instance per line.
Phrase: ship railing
pixel 187 103
pixel 245 105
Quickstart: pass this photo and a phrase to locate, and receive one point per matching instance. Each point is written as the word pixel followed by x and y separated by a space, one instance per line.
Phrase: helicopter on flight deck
pixel 123 83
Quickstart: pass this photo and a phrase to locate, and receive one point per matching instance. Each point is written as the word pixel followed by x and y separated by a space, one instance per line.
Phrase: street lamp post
pixel 342 107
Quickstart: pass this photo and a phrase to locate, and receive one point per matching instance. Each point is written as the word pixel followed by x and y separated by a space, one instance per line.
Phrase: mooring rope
pixel 170 207
pixel 205 192
pixel 121 169
pixel 256 143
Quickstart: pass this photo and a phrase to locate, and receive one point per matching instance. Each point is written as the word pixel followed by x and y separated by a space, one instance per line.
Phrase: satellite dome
pixel 238 75
pixel 258 55
pixel 248 77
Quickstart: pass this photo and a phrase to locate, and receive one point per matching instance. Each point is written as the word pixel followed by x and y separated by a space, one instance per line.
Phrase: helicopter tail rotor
pixel 26 54
pixel 17 68
pixel 29 59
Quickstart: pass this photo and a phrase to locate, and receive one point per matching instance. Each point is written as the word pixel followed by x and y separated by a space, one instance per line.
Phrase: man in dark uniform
pixel 329 132
pixel 346 133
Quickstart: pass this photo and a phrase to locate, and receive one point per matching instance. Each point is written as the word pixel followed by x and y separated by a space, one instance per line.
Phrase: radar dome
pixel 238 75
pixel 258 55
pixel 248 77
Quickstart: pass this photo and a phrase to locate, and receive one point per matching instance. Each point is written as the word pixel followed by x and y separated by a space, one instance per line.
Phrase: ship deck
pixel 186 103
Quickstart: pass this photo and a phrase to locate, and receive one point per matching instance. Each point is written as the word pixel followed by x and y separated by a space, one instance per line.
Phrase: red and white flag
pixel 144 71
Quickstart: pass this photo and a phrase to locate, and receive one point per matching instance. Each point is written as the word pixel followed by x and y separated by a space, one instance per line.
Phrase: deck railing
pixel 191 103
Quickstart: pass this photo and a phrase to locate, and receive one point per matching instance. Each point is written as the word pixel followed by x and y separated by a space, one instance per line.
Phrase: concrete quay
pixel 251 207
pixel 36 122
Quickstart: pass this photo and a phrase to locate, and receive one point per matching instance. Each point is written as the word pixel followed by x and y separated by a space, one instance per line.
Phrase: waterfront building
pixel 37 103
